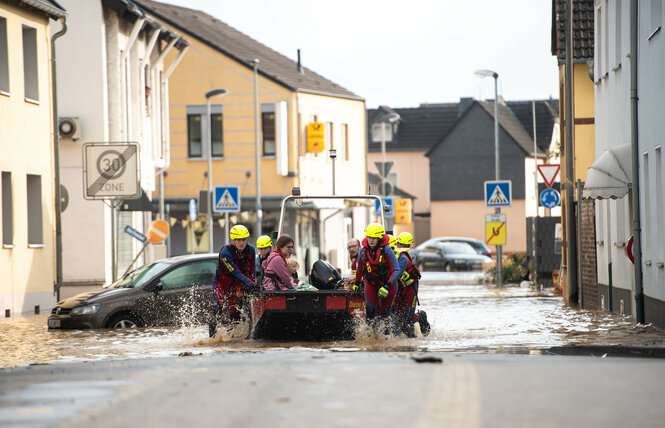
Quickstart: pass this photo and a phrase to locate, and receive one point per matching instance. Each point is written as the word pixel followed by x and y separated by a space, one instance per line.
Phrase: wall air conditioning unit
pixel 69 127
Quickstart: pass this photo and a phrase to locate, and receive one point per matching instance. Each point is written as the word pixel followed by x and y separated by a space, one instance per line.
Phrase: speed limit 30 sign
pixel 111 171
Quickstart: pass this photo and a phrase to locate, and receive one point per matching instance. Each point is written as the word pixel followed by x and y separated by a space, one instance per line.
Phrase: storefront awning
pixel 610 175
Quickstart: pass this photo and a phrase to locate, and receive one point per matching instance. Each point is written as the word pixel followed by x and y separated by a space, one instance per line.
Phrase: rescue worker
pixel 406 299
pixel 234 277
pixel 392 242
pixel 353 246
pixel 263 246
pixel 378 269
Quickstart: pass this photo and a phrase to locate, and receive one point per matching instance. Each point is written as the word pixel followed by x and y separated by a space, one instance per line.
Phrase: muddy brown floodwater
pixel 464 318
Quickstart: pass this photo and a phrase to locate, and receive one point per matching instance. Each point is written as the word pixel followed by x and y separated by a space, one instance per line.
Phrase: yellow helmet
pixel 239 232
pixel 405 238
pixel 374 230
pixel 392 241
pixel 264 241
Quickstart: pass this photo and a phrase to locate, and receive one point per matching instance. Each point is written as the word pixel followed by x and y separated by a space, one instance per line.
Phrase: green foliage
pixel 511 269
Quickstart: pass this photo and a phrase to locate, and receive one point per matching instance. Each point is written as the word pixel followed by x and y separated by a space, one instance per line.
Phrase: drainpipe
pixel 634 145
pixel 571 250
pixel 56 160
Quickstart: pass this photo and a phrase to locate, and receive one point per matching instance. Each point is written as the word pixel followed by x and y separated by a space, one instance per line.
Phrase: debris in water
pixel 188 354
pixel 427 359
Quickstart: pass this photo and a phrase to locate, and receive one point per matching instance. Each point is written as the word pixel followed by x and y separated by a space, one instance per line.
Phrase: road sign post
pixel 549 172
pixel 227 199
pixel 498 193
pixel 495 229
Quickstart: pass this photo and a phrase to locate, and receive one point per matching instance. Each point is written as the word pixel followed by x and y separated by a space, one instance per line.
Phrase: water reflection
pixel 469 318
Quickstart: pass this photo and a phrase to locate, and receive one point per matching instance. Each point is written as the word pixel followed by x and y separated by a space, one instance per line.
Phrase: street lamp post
pixel 210 94
pixel 333 155
pixel 259 210
pixel 495 75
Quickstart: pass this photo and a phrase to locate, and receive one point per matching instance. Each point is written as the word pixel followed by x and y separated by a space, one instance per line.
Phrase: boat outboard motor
pixel 324 276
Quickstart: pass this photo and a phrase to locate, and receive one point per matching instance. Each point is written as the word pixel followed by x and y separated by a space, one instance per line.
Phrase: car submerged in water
pixel 172 291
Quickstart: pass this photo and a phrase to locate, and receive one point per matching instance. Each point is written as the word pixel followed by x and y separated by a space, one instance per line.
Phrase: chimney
pixel 299 64
pixel 464 103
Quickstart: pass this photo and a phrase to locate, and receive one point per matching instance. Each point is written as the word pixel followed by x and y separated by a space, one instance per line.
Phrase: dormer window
pixel 378 129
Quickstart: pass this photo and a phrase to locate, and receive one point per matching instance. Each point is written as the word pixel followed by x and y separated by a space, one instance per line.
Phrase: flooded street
pixel 464 318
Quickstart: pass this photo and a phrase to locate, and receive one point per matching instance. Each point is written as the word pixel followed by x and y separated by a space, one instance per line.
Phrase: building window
pixel 35 234
pixel 617 33
pixel 330 136
pixel 30 74
pixel 268 128
pixel 197 119
pixel 656 11
pixel 345 141
pixel 7 209
pixel 597 42
pixel 4 58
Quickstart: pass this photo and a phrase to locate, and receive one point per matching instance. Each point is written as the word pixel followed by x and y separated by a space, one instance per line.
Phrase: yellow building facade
pixel 287 101
pixel 27 215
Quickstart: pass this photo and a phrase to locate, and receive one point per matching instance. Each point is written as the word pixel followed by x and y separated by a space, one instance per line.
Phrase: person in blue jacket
pixel 234 277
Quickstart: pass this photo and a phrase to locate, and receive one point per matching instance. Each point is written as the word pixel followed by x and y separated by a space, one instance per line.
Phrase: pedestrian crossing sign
pixel 227 199
pixel 498 193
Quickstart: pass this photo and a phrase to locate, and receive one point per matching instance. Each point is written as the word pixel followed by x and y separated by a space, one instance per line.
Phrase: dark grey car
pixel 449 256
pixel 172 291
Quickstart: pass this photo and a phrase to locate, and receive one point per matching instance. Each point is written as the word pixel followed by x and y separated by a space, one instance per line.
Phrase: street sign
pixel 111 171
pixel 549 172
pixel 227 199
pixel 135 233
pixel 158 231
pixel 389 208
pixel 316 137
pixel 495 229
pixel 498 193
pixel 403 209
pixel 384 168
pixel 550 198
pixel 192 209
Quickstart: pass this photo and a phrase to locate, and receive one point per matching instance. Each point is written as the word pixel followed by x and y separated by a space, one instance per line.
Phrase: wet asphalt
pixel 514 356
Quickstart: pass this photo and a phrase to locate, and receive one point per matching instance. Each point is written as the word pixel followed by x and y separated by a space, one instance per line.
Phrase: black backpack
pixel 324 276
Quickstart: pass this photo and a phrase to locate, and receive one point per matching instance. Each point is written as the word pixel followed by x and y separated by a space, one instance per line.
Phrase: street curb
pixel 609 351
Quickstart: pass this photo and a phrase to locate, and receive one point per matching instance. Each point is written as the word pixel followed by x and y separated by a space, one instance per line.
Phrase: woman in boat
pixel 276 275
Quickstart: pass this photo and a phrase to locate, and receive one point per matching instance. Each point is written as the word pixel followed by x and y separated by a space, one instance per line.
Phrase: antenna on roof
pixel 299 64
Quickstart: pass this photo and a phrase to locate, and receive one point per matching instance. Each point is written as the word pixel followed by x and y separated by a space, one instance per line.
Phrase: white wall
pixel 612 128
pixel 81 74
pixel 651 111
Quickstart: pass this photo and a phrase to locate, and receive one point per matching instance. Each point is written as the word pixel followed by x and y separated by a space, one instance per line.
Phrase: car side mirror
pixel 158 288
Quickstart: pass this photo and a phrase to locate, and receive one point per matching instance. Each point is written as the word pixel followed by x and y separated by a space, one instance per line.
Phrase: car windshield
pixel 140 276
pixel 457 248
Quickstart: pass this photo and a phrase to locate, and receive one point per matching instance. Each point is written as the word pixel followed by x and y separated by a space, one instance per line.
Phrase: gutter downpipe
pixel 166 140
pixel 56 160
pixel 634 145
pixel 571 250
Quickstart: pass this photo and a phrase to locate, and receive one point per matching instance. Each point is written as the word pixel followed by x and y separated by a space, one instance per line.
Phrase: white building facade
pixel 113 86
pixel 614 217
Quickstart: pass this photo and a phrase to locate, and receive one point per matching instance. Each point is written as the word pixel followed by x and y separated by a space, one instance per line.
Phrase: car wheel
pixel 125 320
pixel 448 267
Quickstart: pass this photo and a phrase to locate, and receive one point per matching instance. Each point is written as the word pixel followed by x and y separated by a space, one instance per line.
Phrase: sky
pixel 403 53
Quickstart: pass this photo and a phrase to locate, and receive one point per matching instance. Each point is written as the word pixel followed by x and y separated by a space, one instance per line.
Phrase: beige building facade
pixel 27 216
